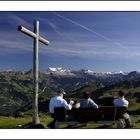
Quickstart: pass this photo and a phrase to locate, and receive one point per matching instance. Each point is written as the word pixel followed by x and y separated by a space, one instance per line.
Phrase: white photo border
pixel 70 6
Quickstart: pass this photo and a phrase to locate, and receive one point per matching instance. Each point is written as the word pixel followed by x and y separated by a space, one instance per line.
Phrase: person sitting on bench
pixel 87 102
pixel 58 101
pixel 121 101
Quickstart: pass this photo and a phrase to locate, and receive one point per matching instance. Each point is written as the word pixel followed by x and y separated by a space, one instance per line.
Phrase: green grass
pixel 10 122
pixel 87 126
pixel 136 125
pixel 45 119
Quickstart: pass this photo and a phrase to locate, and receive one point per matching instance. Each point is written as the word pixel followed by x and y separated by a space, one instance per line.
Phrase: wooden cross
pixel 37 39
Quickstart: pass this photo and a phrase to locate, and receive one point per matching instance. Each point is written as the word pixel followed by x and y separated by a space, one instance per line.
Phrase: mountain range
pixel 71 80
pixel 16 86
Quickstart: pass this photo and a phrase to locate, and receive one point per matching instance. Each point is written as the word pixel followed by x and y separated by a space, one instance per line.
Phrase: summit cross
pixel 37 39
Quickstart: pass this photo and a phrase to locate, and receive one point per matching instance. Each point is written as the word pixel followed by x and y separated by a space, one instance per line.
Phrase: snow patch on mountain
pixel 65 72
pixel 59 71
pixel 86 71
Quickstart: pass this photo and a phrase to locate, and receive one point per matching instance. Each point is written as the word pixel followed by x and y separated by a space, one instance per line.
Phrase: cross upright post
pixel 35 74
pixel 37 39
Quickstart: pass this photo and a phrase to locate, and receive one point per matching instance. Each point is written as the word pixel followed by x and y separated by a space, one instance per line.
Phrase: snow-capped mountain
pixel 50 69
pixel 9 70
pixel 72 80
pixel 120 72
pixel 59 71
pixel 86 71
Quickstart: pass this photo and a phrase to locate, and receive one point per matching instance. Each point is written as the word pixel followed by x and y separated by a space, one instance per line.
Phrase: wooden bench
pixel 104 114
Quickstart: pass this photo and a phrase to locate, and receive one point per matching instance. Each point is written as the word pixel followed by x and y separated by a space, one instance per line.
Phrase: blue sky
pixel 99 41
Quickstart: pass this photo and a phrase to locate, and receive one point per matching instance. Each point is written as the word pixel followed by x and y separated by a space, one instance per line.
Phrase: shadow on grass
pixel 86 126
pixel 104 127
pixel 30 125
pixel 75 126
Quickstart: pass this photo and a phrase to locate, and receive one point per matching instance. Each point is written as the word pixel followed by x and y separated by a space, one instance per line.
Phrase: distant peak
pixel 87 71
pixel 59 69
pixel 9 70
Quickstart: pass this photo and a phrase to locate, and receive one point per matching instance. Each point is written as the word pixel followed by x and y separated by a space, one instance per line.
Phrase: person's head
pixel 61 92
pixel 86 95
pixel 121 94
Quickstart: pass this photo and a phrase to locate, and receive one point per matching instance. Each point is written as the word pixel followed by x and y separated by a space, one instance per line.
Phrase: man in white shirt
pixel 58 101
pixel 121 101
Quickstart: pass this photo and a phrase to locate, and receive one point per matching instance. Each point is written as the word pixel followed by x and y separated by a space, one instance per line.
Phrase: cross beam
pixel 37 39
pixel 33 35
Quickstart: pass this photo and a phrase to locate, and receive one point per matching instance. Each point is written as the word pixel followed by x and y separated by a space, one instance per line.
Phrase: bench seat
pixel 104 114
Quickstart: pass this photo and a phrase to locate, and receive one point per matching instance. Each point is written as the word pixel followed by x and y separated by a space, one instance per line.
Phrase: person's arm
pixel 114 102
pixel 66 105
pixel 93 104
pixel 127 103
pixel 51 107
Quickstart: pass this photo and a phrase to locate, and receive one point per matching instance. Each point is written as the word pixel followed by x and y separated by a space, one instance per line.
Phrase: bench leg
pixel 120 124
pixel 56 124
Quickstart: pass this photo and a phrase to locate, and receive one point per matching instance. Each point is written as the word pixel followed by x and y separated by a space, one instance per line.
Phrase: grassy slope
pixel 11 122
pixel 17 86
pixel 45 119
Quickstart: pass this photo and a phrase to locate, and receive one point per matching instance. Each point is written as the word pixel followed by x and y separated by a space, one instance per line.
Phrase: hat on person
pixel 61 90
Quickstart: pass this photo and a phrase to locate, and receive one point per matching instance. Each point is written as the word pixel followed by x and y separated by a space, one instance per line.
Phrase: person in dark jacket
pixel 87 102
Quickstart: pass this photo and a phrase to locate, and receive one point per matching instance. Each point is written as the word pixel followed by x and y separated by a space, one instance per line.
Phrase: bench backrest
pixel 60 113
pixel 88 114
pixel 112 112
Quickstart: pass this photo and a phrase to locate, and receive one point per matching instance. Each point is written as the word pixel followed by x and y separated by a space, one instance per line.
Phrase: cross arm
pixel 32 34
